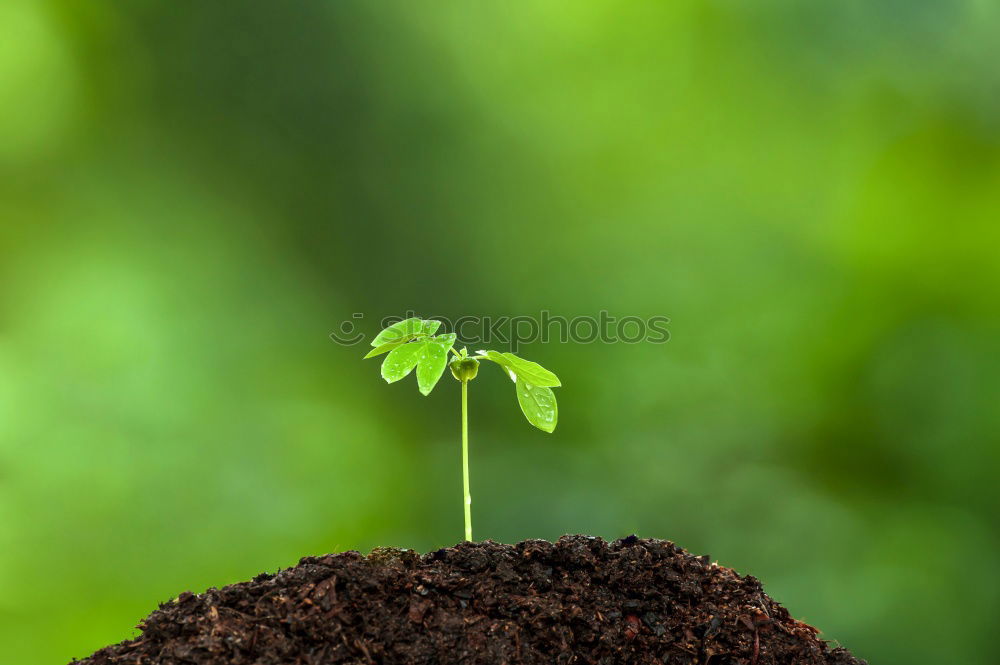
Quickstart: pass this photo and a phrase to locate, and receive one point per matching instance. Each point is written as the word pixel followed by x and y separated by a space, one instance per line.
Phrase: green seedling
pixel 413 344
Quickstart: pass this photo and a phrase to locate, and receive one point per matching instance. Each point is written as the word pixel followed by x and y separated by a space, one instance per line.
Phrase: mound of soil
pixel 579 600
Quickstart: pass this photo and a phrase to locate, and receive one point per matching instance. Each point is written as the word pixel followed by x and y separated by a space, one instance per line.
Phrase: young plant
pixel 412 343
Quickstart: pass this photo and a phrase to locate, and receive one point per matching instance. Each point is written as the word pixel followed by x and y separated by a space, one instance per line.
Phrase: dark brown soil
pixel 580 600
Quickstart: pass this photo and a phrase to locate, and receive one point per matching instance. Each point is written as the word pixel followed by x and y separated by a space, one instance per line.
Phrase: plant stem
pixel 465 459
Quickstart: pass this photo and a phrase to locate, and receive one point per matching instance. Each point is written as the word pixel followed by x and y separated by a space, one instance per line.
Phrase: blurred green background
pixel 193 195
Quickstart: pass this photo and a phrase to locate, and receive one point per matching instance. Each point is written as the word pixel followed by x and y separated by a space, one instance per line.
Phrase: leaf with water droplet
pixel 532 372
pixel 432 362
pixel 538 403
pixel 498 358
pixel 516 367
pixel 401 361
pixel 401 331
pixel 429 355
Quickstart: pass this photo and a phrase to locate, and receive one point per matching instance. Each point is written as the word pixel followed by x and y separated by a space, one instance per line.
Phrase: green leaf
pixel 400 332
pixel 384 348
pixel 532 373
pixel 447 338
pixel 401 361
pixel 429 355
pixel 538 404
pixel 498 358
pixel 516 367
pixel 432 361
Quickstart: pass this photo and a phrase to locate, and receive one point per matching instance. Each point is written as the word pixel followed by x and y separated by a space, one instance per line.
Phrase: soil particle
pixel 579 600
